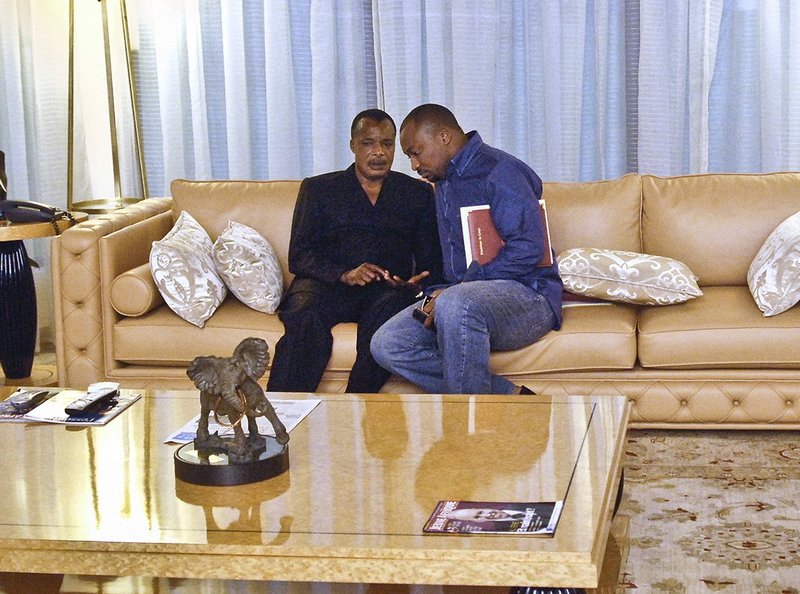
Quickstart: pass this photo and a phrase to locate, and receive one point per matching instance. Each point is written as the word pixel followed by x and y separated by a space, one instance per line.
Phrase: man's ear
pixel 352 147
pixel 445 136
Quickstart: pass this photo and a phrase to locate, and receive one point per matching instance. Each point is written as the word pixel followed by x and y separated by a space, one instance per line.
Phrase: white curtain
pixel 755 94
pixel 587 90
pixel 251 89
pixel 542 80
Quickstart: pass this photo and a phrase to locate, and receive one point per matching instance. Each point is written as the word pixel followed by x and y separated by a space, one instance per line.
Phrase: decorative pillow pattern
pixel 629 277
pixel 248 265
pixel 774 274
pixel 184 271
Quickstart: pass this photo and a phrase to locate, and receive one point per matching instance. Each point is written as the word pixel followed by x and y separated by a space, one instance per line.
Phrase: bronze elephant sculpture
pixel 229 386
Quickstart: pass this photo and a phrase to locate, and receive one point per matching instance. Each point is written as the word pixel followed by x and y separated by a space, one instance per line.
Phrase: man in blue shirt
pixel 505 304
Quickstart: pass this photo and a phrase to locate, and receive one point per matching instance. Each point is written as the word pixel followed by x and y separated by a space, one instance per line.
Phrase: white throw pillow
pixel 249 267
pixel 629 277
pixel 184 271
pixel 774 274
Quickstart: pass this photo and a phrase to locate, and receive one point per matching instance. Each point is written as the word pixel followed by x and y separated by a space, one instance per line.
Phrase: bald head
pixel 430 136
pixel 431 115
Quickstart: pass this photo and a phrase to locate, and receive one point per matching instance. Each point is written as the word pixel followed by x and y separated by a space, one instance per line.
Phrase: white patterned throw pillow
pixel 774 274
pixel 184 271
pixel 248 265
pixel 629 277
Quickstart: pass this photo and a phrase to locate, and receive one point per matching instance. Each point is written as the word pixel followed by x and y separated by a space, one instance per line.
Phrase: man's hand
pixel 429 309
pixel 364 274
pixel 412 283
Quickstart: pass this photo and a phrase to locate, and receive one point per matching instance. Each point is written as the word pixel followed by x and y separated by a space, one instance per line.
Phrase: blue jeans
pixel 472 319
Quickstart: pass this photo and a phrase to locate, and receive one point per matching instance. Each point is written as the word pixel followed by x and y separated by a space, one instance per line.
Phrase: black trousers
pixel 309 311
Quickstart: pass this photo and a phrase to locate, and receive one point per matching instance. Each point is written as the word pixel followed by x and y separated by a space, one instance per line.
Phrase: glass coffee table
pixel 366 472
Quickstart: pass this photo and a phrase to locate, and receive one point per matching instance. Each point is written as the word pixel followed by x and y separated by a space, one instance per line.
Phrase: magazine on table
pixel 492 517
pixel 51 404
pixel 290 412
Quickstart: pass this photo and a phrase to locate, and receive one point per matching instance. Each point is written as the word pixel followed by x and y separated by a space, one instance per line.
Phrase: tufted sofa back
pixel 266 206
pixel 715 223
pixel 601 214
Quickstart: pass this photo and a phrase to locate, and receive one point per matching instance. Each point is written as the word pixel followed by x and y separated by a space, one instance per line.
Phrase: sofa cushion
pixel 629 277
pixel 715 223
pixel 134 293
pixel 591 338
pixel 247 264
pixel 721 329
pixel 184 271
pixel 266 206
pixel 774 274
pixel 160 338
pixel 602 214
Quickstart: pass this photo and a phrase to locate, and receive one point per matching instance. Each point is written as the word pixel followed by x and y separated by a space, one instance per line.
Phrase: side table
pixel 18 312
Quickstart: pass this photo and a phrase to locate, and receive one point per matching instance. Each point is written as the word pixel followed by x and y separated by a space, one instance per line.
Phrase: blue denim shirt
pixel 481 174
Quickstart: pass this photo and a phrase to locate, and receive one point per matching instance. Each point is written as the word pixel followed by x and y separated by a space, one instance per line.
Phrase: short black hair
pixel 431 114
pixel 376 115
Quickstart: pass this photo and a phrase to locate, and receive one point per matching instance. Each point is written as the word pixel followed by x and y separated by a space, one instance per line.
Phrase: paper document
pixel 290 412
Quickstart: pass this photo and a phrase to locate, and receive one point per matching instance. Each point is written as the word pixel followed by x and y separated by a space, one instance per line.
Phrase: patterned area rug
pixel 712 511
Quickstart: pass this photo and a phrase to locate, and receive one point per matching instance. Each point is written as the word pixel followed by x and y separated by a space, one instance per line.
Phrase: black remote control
pixel 92 402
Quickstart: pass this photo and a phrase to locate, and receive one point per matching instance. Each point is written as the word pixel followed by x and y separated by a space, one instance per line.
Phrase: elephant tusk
pixel 242 398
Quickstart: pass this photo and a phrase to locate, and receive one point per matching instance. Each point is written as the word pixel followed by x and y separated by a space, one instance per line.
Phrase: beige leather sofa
pixel 713 361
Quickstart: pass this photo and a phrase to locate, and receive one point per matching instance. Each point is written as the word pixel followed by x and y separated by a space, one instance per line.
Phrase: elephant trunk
pixel 259 407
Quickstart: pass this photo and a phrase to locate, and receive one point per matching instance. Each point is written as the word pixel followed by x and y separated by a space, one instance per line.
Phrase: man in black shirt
pixel 364 242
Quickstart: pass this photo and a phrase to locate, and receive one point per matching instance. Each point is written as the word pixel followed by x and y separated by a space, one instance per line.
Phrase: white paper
pixel 290 412
pixel 465 210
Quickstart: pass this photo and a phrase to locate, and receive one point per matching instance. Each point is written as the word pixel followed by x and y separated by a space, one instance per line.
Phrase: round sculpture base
pixel 212 466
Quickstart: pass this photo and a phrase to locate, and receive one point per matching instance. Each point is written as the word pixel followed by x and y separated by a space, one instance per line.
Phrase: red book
pixel 482 242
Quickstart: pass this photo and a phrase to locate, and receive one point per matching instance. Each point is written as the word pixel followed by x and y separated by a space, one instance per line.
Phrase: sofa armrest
pixel 134 292
pixel 78 272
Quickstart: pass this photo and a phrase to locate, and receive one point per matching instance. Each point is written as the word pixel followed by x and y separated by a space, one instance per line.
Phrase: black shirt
pixel 336 228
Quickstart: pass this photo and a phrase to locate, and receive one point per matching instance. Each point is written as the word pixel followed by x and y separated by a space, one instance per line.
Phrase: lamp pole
pixel 103 205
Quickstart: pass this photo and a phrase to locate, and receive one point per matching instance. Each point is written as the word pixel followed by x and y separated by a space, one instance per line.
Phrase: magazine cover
pixel 491 517
pixel 24 400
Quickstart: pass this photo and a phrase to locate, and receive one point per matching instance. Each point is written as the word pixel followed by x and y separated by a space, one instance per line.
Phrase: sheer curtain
pixel 542 80
pixel 755 95
pixel 581 89
pixel 251 89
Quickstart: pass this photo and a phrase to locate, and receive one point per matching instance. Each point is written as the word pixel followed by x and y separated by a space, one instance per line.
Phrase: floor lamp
pixel 104 205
